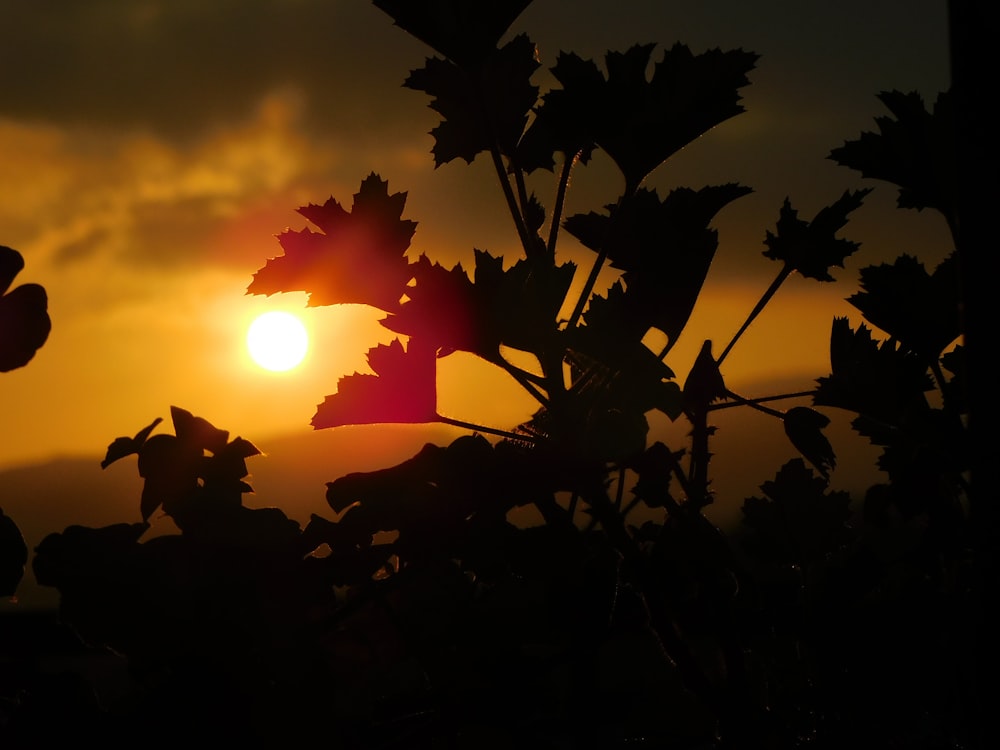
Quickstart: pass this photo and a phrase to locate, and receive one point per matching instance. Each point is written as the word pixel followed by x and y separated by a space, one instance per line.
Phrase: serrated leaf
pixel 804 427
pixel 915 151
pixel 24 319
pixel 482 109
pixel 665 249
pixel 466 33
pixel 402 390
pixel 871 378
pixel 359 257
pixel 797 521
pixel 638 121
pixel 812 247
pixel 517 307
pixel 922 311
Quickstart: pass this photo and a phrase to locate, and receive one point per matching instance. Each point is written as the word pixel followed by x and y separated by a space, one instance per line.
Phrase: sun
pixel 277 340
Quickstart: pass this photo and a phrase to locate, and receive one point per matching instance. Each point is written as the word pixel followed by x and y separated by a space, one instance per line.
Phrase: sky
pixel 150 151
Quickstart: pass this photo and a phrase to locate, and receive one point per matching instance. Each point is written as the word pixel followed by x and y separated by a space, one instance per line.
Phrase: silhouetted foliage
pixel 24 328
pixel 423 613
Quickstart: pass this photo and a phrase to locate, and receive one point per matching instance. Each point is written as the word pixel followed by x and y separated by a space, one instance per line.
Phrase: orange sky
pixel 151 150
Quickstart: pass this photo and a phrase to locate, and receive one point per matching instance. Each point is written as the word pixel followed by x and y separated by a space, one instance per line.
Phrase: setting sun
pixel 277 340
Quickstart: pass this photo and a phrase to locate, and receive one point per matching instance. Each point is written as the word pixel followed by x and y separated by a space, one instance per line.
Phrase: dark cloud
pixel 178 66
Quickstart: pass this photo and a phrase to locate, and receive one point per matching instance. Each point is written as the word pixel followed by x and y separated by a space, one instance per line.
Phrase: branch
pixel 783 274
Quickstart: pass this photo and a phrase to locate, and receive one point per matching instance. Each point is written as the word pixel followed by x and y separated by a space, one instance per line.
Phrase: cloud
pixel 178 67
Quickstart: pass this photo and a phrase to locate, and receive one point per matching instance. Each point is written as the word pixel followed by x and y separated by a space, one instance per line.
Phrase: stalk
pixel 783 274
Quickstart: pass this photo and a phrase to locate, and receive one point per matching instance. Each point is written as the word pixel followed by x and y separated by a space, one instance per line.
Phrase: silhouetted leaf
pixel 608 349
pixel 798 521
pixel 639 122
pixel 812 247
pixel 126 446
pixel 873 379
pixel 921 311
pixel 517 307
pixel 465 33
pixel 804 428
pixel 358 258
pixel 915 151
pixel 13 555
pixel 655 470
pixel 24 317
pixel 665 249
pixel 402 390
pixel 484 108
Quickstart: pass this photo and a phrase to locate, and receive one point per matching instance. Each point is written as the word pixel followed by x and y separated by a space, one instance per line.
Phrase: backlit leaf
pixel 402 390
pixel 797 521
pixel 638 121
pixel 871 378
pixel 359 256
pixel 921 311
pixel 915 151
pixel 812 247
pixel 665 249
pixel 804 428
pixel 24 317
pixel 126 446
pixel 483 108
pixel 466 33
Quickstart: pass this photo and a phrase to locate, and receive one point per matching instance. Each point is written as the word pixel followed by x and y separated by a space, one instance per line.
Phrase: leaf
pixel 359 257
pixel 24 317
pixel 638 122
pixel 797 521
pixel 483 109
pixel 655 470
pixel 126 446
pixel 922 311
pixel 466 33
pixel 915 151
pixel 804 428
pixel 812 247
pixel 517 307
pixel 608 348
pixel 665 249
pixel 13 555
pixel 402 390
pixel 871 378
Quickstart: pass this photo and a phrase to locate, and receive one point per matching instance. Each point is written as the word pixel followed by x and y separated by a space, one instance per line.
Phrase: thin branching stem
pixel 481 428
pixel 762 400
pixel 561 189
pixel 754 404
pixel 783 274
pixel 595 270
pixel 526 380
pixel 508 194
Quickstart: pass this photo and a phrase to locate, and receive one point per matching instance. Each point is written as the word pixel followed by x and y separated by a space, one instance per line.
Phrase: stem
pixel 595 270
pixel 620 491
pixel 783 274
pixel 508 193
pixel 762 400
pixel 526 380
pixel 560 200
pixel 754 404
pixel 481 428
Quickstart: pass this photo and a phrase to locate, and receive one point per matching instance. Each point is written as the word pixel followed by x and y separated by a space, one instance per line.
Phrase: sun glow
pixel 277 340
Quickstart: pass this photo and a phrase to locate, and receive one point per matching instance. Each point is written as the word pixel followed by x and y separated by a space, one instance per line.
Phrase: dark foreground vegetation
pixel 417 614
